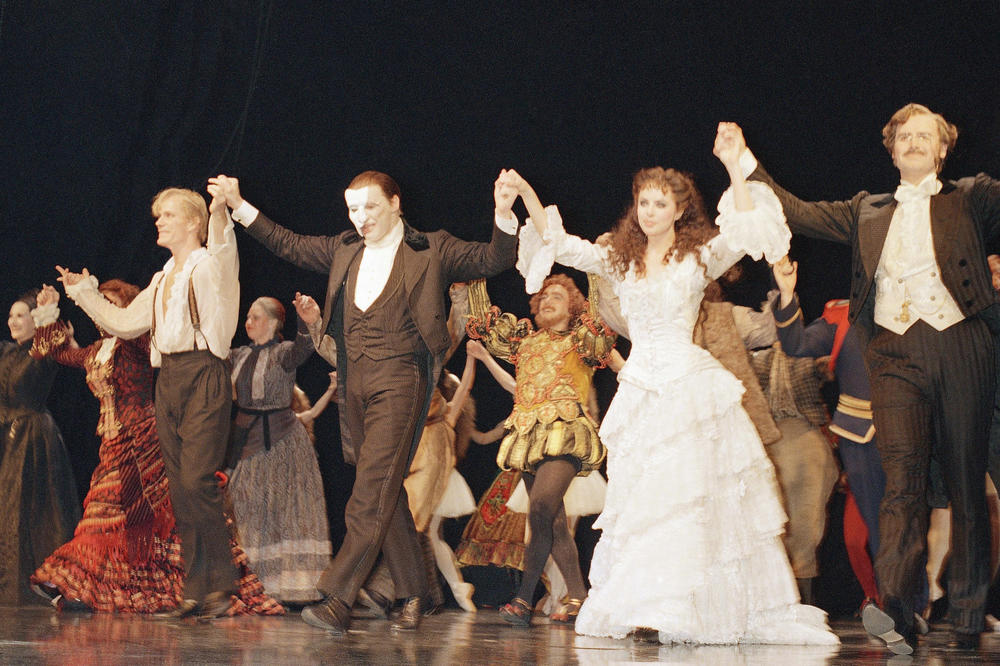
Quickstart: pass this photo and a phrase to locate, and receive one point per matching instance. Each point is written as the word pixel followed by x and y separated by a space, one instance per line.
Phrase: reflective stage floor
pixel 37 635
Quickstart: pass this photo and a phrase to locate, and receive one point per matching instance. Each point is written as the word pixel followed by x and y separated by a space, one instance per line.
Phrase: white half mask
pixel 356 201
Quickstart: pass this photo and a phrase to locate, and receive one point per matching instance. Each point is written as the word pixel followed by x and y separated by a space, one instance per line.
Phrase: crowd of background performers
pixel 720 454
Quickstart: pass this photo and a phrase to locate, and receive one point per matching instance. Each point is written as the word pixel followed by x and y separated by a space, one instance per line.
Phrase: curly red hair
pixel 691 230
pixel 125 291
pixel 577 304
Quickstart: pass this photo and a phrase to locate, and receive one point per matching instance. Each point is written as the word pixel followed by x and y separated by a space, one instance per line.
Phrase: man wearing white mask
pixel 385 312
pixel 921 297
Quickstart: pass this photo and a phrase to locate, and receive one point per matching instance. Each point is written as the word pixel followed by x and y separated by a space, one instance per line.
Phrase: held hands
pixel 47 295
pixel 69 278
pixel 70 334
pixel 504 195
pixel 217 206
pixel 785 276
pixel 476 350
pixel 307 308
pixel 729 144
pixel 226 188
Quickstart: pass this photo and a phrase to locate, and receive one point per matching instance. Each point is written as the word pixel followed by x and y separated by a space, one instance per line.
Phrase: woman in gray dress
pixel 275 486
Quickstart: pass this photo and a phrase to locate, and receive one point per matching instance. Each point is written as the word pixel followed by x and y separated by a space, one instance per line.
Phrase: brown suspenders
pixel 192 311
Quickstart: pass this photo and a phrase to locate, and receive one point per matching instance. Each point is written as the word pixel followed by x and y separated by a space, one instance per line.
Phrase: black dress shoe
pixel 409 615
pixel 963 641
pixel 215 605
pixel 331 614
pixel 378 605
pixel 183 609
pixel 938 610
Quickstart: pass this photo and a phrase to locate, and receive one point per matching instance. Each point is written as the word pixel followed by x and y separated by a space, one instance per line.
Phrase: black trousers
pixel 932 395
pixel 382 416
pixel 193 400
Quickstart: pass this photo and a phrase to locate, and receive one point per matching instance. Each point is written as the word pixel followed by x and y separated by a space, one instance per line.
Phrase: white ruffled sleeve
pixel 760 232
pixel 537 254
pixel 45 315
pixel 128 322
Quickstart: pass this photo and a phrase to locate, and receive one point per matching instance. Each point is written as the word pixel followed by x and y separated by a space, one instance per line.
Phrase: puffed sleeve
pixel 52 340
pixel 761 231
pixel 594 338
pixel 536 254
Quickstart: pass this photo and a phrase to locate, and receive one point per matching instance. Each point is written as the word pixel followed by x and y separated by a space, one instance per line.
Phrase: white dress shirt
pixel 908 279
pixel 377 257
pixel 376 264
pixel 908 284
pixel 215 274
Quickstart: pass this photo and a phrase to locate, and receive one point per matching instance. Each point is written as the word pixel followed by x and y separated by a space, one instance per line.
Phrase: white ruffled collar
pixel 177 303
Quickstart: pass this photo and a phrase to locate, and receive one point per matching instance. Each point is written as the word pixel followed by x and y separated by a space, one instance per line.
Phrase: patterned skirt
pixel 279 508
pixel 125 555
pixel 494 534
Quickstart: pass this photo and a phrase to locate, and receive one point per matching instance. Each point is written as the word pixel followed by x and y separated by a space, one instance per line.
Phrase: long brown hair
pixel 692 230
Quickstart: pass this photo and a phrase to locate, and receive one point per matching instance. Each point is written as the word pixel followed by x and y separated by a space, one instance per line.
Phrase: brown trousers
pixel 193 401
pixel 384 410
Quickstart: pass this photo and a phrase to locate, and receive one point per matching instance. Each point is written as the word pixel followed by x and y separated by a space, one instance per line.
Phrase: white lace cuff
pixel 45 314
pixel 535 254
pixel 86 284
pixel 758 232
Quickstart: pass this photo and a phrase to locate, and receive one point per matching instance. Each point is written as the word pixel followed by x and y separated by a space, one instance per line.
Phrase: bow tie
pixel 906 193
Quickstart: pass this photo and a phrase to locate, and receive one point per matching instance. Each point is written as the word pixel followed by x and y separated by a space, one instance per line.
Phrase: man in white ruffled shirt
pixel 191 308
pixel 921 296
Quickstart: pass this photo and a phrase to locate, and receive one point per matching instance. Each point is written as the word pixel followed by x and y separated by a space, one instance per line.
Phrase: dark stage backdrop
pixel 105 103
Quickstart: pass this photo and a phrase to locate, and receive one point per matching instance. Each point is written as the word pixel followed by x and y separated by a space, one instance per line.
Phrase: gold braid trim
pixel 790 320
pixel 49 338
pixel 500 333
pixel 594 339
pixel 855 407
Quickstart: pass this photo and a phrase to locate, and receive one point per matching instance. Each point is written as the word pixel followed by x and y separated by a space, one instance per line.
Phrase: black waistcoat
pixel 386 328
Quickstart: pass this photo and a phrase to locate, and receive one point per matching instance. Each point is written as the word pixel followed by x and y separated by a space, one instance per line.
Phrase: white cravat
pixel 375 266
pixel 908 278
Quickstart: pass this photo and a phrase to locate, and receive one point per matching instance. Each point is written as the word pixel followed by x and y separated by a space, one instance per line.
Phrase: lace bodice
pixel 661 311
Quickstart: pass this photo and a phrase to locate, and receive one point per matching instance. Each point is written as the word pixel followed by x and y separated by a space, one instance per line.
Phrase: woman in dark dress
pixel 38 501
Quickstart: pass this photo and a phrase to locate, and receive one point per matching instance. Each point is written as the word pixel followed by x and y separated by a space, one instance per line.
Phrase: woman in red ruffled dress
pixel 125 554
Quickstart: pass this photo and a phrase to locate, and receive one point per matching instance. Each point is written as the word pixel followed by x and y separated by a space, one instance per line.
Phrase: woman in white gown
pixel 690 544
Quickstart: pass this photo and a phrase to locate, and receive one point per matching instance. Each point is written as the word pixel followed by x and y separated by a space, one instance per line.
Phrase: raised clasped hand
pixel 729 143
pixel 227 188
pixel 504 194
pixel 47 295
pixel 68 278
pixel 307 308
